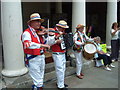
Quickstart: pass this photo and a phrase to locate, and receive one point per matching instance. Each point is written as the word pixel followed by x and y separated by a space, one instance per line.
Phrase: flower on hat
pixel 62 24
pixel 35 16
pixel 79 26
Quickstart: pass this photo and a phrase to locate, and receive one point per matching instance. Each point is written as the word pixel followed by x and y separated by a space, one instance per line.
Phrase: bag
pixel 76 48
pixel 99 63
pixel 68 39
pixel 104 47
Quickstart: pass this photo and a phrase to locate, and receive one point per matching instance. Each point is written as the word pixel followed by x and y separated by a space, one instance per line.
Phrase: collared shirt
pixel 83 38
pixel 98 48
pixel 26 36
pixel 57 47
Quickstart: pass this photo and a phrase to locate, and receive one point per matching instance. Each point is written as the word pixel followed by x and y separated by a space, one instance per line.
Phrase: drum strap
pixel 82 39
pixel 79 36
pixel 75 48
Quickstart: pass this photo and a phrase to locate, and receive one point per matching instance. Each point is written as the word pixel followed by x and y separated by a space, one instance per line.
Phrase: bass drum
pixel 89 50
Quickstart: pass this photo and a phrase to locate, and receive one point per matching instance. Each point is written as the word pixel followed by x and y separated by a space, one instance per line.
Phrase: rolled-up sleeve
pixel 51 40
pixel 27 37
pixel 75 40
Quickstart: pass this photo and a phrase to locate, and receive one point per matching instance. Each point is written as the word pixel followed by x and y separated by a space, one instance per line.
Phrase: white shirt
pixel 98 48
pixel 82 40
pixel 26 36
pixel 115 36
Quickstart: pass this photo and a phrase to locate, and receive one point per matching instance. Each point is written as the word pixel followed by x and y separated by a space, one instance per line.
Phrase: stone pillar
pixel 11 34
pixel 78 13
pixel 58 8
pixel 48 8
pixel 111 17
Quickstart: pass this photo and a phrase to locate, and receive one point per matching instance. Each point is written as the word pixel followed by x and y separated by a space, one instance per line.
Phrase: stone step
pixel 25 81
pixel 50 66
pixel 52 75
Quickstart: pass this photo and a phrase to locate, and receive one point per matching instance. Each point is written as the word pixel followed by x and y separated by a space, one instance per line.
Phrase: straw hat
pixel 35 16
pixel 62 24
pixel 79 26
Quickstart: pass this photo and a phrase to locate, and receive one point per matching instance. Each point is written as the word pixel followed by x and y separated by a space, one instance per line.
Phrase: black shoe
pixel 66 85
pixel 63 88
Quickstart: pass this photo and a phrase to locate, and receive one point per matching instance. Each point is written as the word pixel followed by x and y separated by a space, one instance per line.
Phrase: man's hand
pixel 45 46
pixel 58 41
pixel 83 43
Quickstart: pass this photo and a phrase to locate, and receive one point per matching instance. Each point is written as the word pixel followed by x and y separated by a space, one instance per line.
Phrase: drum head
pixel 90 48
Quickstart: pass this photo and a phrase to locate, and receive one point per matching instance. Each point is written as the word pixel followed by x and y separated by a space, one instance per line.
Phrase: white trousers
pixel 60 67
pixel 78 56
pixel 36 69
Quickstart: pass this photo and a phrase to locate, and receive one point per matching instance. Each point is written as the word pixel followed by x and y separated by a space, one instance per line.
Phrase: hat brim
pixel 62 26
pixel 79 27
pixel 41 20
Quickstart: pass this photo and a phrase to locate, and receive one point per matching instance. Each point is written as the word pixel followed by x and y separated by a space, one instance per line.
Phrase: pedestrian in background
pixel 100 54
pixel 115 42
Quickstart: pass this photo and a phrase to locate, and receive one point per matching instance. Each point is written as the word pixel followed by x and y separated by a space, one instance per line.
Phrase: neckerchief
pixel 83 38
pixel 34 33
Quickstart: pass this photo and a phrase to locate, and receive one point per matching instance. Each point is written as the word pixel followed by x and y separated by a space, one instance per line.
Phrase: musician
pixel 115 42
pixel 79 39
pixel 100 54
pixel 34 45
pixel 58 54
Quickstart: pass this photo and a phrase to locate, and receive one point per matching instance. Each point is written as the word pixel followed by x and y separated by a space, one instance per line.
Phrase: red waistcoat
pixel 32 51
pixel 56 47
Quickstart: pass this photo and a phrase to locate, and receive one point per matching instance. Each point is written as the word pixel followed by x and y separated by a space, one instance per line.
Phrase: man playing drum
pixel 79 39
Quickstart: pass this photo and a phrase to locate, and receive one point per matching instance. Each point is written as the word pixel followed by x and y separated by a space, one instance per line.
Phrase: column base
pixel 14 73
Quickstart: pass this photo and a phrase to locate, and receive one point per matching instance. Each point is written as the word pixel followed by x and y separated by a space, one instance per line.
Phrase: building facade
pixel 15 14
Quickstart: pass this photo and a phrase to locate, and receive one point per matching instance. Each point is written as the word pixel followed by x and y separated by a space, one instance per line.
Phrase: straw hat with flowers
pixel 35 16
pixel 62 24
pixel 80 26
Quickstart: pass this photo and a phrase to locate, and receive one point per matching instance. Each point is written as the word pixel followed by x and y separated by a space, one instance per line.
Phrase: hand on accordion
pixel 58 41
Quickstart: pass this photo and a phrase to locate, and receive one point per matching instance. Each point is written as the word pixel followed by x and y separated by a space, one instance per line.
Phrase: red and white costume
pixel 78 54
pixel 31 44
pixel 60 63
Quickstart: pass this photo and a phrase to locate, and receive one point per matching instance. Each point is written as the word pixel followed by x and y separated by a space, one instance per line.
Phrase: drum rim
pixel 95 48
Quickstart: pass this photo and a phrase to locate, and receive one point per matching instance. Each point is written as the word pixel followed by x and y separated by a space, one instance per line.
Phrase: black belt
pixel 57 53
pixel 28 58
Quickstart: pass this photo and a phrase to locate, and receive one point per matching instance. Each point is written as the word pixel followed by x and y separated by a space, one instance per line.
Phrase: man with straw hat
pixel 58 54
pixel 33 45
pixel 79 39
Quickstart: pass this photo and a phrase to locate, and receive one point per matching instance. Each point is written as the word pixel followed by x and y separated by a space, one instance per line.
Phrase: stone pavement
pixel 94 78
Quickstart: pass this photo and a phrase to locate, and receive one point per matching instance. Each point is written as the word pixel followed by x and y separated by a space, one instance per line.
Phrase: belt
pixel 57 53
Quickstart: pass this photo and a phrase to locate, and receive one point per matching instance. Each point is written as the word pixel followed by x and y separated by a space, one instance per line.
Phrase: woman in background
pixel 115 42
pixel 100 54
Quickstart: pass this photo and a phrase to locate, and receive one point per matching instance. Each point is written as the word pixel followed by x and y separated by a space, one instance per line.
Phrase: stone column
pixel 58 8
pixel 78 13
pixel 48 8
pixel 111 18
pixel 11 34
